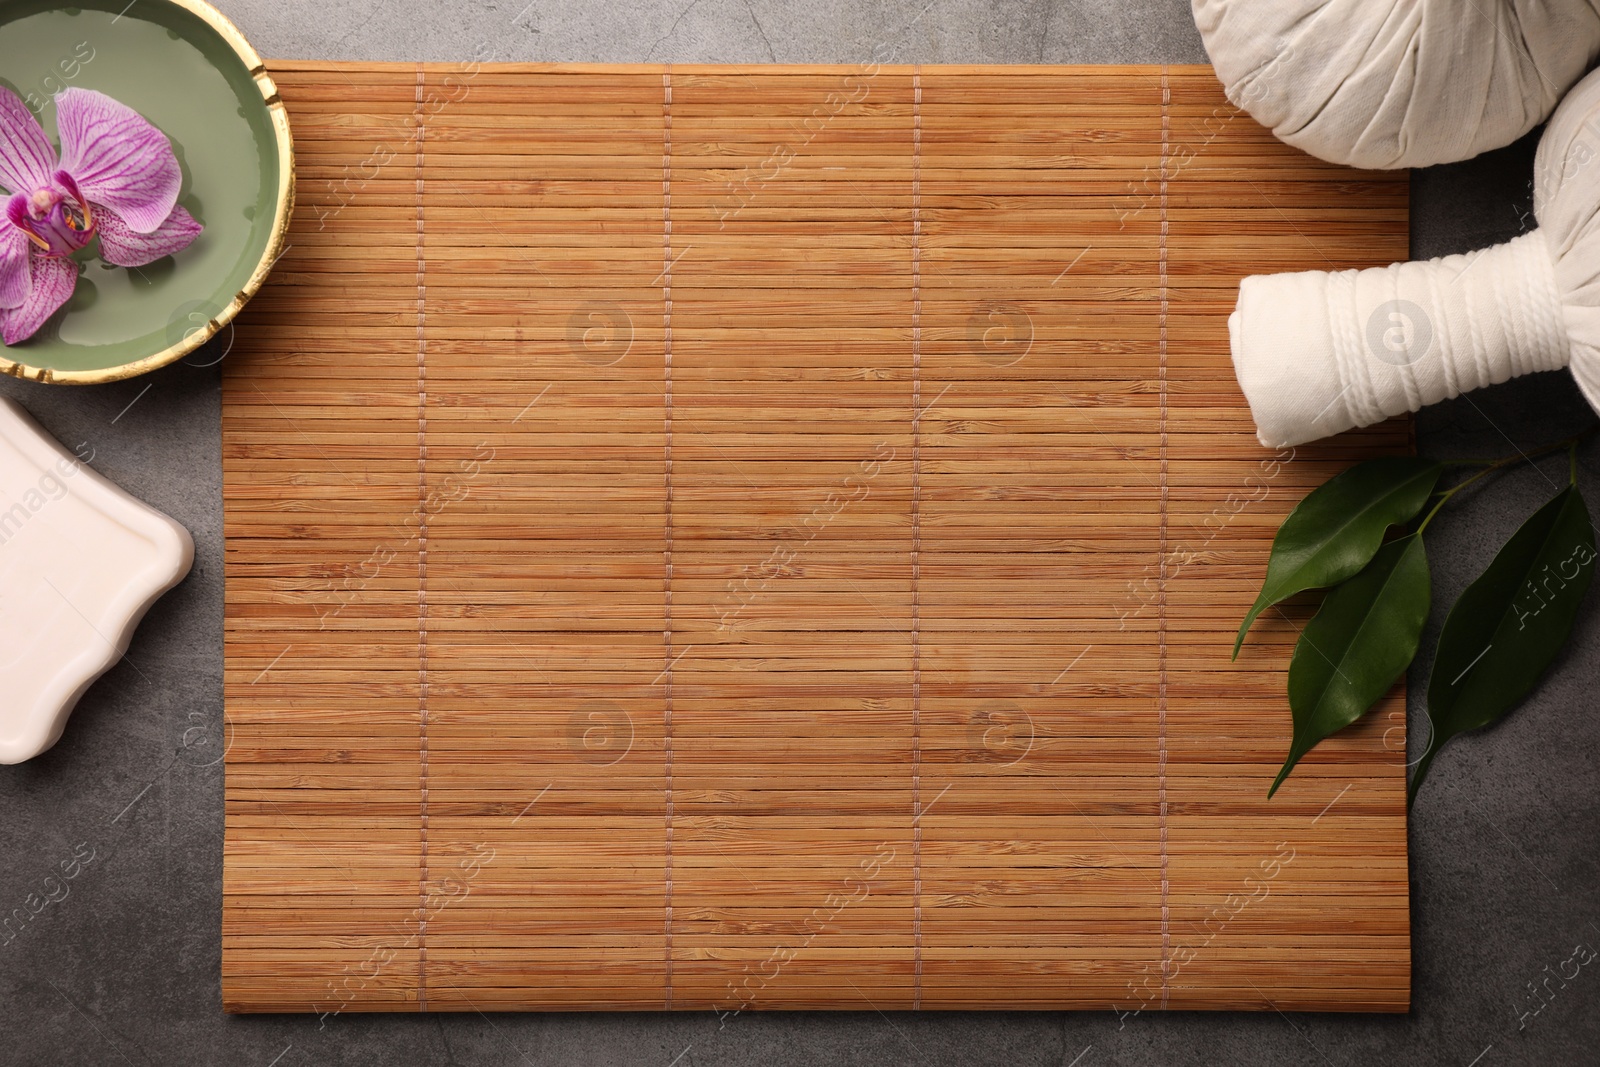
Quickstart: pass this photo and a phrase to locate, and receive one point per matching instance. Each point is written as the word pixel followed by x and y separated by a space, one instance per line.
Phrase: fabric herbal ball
pixel 1317 353
pixel 1399 83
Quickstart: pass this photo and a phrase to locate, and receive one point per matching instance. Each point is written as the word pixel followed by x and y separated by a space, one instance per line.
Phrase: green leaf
pixel 1335 531
pixel 1356 645
pixel 1509 624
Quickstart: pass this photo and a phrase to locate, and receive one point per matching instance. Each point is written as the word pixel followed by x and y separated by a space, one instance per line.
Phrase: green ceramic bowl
pixel 183 66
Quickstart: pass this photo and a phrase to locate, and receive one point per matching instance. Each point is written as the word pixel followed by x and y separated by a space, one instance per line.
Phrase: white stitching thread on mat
pixel 1161 584
pixel 916 533
pixel 422 569
pixel 666 633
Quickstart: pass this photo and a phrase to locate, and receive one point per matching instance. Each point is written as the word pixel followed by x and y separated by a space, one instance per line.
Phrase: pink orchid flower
pixel 116 177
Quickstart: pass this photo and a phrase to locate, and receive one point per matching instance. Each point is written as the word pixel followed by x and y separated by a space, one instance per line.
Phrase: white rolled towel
pixel 1317 353
pixel 1399 83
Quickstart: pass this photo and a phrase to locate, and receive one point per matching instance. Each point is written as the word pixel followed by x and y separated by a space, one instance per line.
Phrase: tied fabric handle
pixel 1317 353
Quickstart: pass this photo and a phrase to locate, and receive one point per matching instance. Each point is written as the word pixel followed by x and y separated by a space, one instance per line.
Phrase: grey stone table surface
pixel 124 969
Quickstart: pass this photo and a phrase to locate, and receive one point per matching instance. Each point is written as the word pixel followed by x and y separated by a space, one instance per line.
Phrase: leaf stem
pixel 1453 490
pixel 1567 444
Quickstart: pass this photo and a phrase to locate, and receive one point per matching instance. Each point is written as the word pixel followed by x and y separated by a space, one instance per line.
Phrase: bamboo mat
pixel 771 537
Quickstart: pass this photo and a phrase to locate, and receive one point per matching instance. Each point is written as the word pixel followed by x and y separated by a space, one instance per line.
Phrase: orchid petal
pixel 26 158
pixel 124 247
pixel 16 279
pixel 64 183
pixel 54 278
pixel 118 159
pixel 19 218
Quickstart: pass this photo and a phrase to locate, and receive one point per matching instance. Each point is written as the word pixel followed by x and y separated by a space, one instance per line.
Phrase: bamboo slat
pixel 771 537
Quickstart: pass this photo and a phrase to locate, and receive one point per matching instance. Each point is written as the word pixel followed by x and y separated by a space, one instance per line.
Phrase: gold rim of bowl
pixel 198 336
